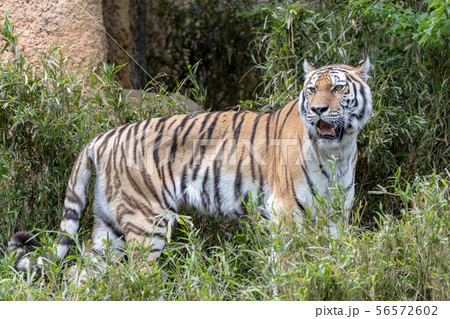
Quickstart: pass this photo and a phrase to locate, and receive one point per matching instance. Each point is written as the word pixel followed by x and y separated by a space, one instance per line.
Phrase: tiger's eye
pixel 311 90
pixel 338 88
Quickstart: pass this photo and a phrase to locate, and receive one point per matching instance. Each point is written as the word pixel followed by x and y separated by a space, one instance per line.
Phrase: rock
pixel 77 26
pixel 118 21
pixel 167 103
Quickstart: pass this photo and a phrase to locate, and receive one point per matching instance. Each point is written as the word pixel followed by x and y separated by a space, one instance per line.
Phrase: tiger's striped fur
pixel 211 161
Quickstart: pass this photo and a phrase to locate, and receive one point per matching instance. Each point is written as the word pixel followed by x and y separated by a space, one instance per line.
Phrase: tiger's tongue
pixel 325 128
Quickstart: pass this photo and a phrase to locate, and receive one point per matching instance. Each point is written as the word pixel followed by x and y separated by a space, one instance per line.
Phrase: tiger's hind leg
pixel 148 232
pixel 107 242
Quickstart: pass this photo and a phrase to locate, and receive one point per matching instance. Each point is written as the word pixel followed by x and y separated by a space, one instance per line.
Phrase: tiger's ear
pixel 308 67
pixel 362 68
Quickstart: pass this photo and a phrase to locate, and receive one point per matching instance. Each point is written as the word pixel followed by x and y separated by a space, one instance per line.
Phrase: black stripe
pixel 166 189
pixel 149 184
pixel 351 78
pixel 143 138
pixel 155 151
pixel 136 131
pixel 99 136
pixel 111 225
pixel 163 222
pixel 62 239
pixel 128 139
pixel 183 139
pixel 173 149
pixel 276 123
pixel 252 142
pixel 205 196
pixel 157 235
pixel 237 131
pixel 169 167
pixel 213 125
pixel 255 126
pixel 131 180
pixel 172 123
pixel 72 197
pixel 364 106
pixel 238 181
pixel 324 172
pixel 136 126
pixel 217 198
pixel 183 123
pixel 267 129
pixel 348 187
pixel 132 228
pixel 354 93
pixel 205 120
pixel 308 180
pixel 299 204
pixel 108 136
pixel 161 120
pixel 183 182
pixel 304 105
pixel 197 149
pixel 133 203
pixel 220 152
pixel 70 214
pixel 121 130
pixel 173 192
pixel 157 145
pixel 261 178
pixel 166 203
pixel 196 170
pixel 287 115
pixel 301 150
pixel 100 147
pixel 235 116
pixel 115 171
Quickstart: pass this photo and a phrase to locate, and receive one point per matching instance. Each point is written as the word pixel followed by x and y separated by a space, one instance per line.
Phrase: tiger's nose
pixel 319 109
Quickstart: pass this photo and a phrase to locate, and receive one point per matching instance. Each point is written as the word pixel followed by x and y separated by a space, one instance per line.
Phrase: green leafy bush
pixel 425 22
pixel 216 35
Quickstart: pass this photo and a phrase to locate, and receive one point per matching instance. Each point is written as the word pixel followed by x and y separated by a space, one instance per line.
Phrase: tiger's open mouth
pixel 329 131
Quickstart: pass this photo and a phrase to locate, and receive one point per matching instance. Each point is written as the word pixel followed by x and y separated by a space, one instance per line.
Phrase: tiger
pixel 214 163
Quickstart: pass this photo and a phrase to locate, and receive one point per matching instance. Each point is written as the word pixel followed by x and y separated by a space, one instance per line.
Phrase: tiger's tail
pixel 74 203
pixel 17 244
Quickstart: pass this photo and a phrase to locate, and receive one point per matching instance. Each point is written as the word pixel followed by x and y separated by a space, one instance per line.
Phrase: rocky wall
pixel 76 25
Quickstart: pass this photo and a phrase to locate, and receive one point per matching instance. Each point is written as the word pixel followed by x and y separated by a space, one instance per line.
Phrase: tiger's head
pixel 336 101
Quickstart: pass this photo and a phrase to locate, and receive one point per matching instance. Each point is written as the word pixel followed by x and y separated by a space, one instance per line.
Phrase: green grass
pixel 406 259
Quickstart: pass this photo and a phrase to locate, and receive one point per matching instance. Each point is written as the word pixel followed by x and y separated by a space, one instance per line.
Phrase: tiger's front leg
pixel 340 219
pixel 285 212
